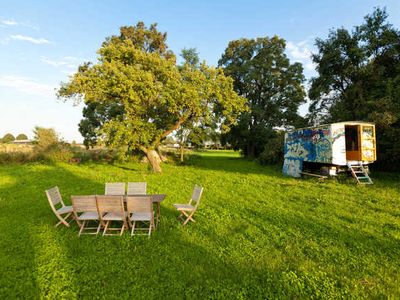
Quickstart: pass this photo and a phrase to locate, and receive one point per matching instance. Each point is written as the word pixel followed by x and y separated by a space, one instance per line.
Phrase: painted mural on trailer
pixel 308 144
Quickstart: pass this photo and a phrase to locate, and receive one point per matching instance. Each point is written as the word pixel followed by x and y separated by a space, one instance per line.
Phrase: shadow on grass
pixel 181 262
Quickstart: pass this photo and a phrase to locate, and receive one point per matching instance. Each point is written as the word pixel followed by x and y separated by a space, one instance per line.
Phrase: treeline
pixel 8 138
pixel 136 95
pixel 358 79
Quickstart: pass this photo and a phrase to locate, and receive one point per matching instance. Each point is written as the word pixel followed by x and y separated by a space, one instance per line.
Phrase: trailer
pixel 331 148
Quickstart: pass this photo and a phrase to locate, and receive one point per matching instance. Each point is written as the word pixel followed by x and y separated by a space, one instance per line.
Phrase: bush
pixel 273 150
pixel 18 157
pixel 45 138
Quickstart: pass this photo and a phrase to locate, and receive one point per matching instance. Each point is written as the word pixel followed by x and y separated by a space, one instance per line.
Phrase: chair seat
pixel 184 207
pixel 64 210
pixel 144 216
pixel 113 217
pixel 89 216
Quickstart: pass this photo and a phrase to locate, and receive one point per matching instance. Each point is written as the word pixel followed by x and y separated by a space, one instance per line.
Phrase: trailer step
pixel 360 173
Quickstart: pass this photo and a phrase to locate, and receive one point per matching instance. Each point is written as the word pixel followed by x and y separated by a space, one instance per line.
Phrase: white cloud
pixel 30 39
pixel 301 52
pixel 27 86
pixel 9 22
pixel 67 61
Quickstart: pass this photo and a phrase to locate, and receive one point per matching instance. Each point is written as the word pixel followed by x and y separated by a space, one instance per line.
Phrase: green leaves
pixel 358 76
pixel 136 95
pixel 263 74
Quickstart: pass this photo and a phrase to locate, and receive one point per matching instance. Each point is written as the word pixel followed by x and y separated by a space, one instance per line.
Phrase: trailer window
pixel 351 138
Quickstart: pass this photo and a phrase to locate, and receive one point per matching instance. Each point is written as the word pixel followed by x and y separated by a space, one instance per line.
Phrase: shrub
pixel 45 138
pixel 17 157
pixel 273 150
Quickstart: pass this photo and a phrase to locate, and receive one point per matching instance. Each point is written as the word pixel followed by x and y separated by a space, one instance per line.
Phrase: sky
pixel 43 42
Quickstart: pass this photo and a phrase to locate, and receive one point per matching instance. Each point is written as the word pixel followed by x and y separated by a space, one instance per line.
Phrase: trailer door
pixel 368 143
pixel 353 149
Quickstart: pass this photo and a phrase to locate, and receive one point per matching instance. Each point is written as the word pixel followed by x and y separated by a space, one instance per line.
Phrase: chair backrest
pixel 54 197
pixel 139 204
pixel 136 188
pixel 115 188
pixel 84 204
pixel 109 204
pixel 196 195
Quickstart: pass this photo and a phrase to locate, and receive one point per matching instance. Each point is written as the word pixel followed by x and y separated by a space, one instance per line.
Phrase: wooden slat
pixel 137 188
pixel 115 188
pixel 84 203
pixel 108 204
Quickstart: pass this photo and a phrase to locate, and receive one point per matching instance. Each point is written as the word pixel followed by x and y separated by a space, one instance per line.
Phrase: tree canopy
pixel 7 138
pixel 21 136
pixel 263 74
pixel 359 79
pixel 136 95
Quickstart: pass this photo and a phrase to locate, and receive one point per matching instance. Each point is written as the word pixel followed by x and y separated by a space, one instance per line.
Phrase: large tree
pixel 263 74
pixel 137 76
pixel 359 79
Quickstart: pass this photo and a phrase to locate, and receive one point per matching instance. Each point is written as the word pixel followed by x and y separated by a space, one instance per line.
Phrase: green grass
pixel 258 235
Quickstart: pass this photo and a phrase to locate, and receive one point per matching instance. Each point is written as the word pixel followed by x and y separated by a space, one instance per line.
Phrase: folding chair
pixel 85 211
pixel 136 188
pixel 188 210
pixel 115 189
pixel 111 208
pixel 140 209
pixel 58 206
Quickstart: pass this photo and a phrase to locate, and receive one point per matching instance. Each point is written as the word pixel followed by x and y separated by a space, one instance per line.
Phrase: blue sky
pixel 42 42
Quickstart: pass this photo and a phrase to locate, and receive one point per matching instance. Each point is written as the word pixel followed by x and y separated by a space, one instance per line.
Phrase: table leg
pixel 158 212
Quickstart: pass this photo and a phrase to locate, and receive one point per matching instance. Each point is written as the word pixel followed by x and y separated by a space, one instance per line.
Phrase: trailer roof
pixel 344 123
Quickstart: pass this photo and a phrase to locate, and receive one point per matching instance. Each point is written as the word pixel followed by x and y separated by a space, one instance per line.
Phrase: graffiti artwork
pixel 313 145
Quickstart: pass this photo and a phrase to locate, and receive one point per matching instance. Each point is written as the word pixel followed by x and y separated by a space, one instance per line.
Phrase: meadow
pixel 258 235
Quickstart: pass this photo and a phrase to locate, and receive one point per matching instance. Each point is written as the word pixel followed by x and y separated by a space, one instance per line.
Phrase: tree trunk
pixel 154 159
pixel 251 150
pixel 182 153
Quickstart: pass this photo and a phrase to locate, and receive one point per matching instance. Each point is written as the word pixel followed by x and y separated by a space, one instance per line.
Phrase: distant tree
pixel 45 138
pixel 191 57
pixel 359 78
pixel 138 74
pixel 8 138
pixel 21 136
pixel 263 74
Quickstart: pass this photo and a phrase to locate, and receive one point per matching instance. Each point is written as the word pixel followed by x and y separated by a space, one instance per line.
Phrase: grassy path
pixel 258 235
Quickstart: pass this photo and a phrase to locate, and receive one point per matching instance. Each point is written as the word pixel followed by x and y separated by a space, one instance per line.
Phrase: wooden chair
pixel 136 188
pixel 111 208
pixel 58 206
pixel 115 189
pixel 140 209
pixel 187 210
pixel 85 210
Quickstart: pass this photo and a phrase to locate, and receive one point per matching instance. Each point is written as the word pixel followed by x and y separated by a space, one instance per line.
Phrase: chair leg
pixel 98 228
pixel 122 229
pixel 63 220
pixel 82 227
pixel 150 228
pixel 133 228
pixel 189 218
pixel 105 228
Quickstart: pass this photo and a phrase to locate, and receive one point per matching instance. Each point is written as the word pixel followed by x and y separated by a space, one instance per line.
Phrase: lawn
pixel 258 235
